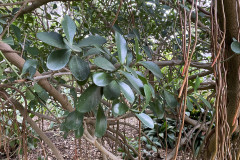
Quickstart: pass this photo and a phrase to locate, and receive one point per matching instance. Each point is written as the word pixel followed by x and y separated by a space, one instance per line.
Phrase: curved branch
pixel 19 106
pixel 18 61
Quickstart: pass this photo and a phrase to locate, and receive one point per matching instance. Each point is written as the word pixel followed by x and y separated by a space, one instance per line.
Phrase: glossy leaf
pixel 127 92
pixel 72 46
pixel 104 64
pixel 52 38
pixel 74 120
pixel 69 28
pixel 91 41
pixel 152 67
pixel 58 59
pixel 148 93
pixel 157 109
pixel 170 99
pixel 101 79
pixel 146 120
pixel 137 83
pixel 112 91
pixel 92 51
pixel 235 46
pixel 101 123
pixel 119 109
pixel 89 99
pixel 79 68
pixel 121 47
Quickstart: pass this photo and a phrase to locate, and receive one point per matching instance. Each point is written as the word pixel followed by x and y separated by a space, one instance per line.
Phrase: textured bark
pixel 231 65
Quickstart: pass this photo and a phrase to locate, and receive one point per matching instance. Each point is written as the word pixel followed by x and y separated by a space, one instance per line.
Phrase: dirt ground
pixel 73 149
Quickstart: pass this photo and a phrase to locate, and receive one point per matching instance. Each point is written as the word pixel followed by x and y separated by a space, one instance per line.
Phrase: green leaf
pixel 29 63
pixel 34 51
pixel 52 38
pixel 8 40
pixel 121 47
pixel 58 59
pixel 148 51
pixel 146 120
pixel 92 51
pixel 197 84
pixel 29 95
pixel 74 120
pixel 189 104
pixel 137 83
pixel 2 21
pixel 119 109
pixel 127 92
pixel 148 93
pixel 91 41
pixel 37 88
pixel 79 132
pixel 69 28
pixel 152 67
pixel 1 29
pixel 79 68
pixel 235 46
pixel 170 99
pixel 136 32
pixel 116 28
pixel 16 31
pixel 101 79
pixel 72 46
pixel 112 91
pixel 138 56
pixel 89 99
pixel 157 109
pixel 43 95
pixel 101 123
pixel 205 102
pixel 104 64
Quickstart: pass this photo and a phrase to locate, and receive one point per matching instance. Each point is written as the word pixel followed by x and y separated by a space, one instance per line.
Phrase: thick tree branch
pixel 18 61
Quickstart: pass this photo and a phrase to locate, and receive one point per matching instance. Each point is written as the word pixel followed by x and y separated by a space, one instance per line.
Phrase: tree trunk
pixel 229 9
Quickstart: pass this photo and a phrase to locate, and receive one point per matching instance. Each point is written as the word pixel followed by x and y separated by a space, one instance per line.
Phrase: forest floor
pixel 73 149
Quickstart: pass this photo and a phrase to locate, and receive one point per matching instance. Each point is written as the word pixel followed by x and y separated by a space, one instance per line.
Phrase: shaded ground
pixel 73 149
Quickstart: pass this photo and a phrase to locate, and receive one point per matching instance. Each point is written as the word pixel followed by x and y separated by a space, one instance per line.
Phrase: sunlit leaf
pixel 146 120
pixel 69 28
pixel 104 64
pixel 121 47
pixel 52 38
pixel 101 79
pixel 127 92
pixel 152 67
